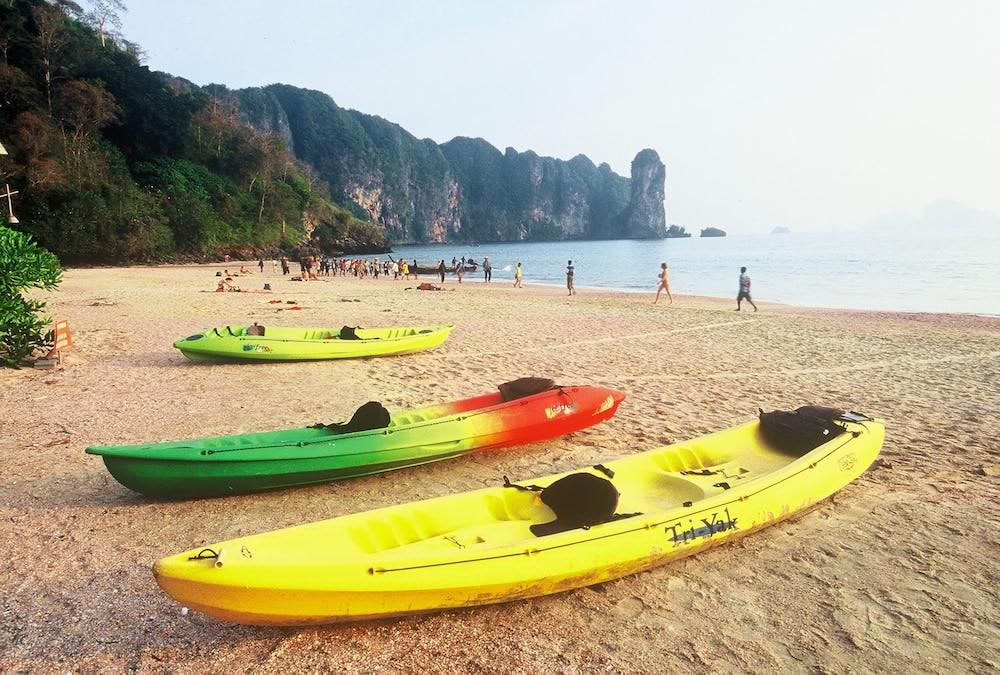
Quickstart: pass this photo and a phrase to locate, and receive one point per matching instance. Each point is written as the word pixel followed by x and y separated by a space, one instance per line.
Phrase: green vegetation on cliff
pixel 115 162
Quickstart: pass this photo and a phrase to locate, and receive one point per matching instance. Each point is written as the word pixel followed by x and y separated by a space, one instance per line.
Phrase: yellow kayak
pixel 277 343
pixel 511 542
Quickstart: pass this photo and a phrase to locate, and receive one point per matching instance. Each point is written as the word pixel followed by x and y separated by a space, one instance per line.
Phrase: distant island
pixel 713 232
pixel 781 230
pixel 677 232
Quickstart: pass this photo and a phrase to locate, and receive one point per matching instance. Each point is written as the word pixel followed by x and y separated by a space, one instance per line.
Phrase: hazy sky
pixel 811 115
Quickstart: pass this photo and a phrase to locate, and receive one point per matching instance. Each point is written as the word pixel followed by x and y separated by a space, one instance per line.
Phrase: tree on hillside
pixel 11 28
pixel 105 17
pixel 82 108
pixel 51 27
pixel 33 136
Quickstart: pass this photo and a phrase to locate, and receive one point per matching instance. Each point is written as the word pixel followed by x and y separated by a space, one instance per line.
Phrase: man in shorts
pixel 744 290
pixel 569 277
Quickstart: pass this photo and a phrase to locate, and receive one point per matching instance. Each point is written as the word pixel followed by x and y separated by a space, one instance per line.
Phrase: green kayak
pixel 277 343
pixel 373 441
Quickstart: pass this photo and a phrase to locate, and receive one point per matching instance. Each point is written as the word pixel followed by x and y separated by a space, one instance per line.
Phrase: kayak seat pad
pixel 372 415
pixel 578 500
pixel 525 386
pixel 802 430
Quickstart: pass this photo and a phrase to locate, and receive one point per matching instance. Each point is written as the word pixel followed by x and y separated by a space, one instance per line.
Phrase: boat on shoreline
pixel 372 442
pixel 524 540
pixel 278 343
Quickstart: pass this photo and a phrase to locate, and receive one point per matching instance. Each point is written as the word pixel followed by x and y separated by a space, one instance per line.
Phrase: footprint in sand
pixel 629 608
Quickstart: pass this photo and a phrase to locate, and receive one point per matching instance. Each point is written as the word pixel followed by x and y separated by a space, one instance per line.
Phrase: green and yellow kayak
pixel 511 542
pixel 277 343
pixel 225 465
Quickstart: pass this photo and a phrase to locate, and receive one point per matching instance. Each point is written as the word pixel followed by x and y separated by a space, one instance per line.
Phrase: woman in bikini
pixel 664 283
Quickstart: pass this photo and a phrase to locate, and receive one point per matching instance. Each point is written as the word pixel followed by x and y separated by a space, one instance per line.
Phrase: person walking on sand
pixel 744 290
pixel 569 277
pixel 487 270
pixel 518 275
pixel 664 283
pixel 460 271
pixel 441 269
pixel 260 264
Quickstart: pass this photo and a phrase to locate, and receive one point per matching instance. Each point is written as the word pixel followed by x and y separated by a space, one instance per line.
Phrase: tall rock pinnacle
pixel 647 219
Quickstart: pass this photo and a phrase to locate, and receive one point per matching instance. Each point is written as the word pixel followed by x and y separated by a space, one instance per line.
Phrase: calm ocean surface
pixel 850 270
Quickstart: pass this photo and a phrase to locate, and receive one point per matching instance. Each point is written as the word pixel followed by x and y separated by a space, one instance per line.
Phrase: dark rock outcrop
pixel 647 218
pixel 713 232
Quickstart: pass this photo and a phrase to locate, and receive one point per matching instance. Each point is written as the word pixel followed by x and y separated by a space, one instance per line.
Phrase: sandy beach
pixel 896 571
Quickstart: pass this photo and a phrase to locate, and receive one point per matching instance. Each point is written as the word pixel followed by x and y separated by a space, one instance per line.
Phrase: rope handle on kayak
pixel 209 554
pixel 205 554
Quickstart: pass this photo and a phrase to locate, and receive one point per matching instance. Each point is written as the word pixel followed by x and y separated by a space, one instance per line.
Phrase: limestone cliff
pixel 462 190
pixel 646 218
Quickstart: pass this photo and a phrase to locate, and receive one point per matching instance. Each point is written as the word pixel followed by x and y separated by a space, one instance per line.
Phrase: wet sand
pixel 898 570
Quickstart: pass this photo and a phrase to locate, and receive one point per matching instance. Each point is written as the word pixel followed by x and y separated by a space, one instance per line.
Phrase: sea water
pixel 848 270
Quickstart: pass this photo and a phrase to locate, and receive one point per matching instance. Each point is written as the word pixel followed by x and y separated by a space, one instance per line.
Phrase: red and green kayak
pixel 224 465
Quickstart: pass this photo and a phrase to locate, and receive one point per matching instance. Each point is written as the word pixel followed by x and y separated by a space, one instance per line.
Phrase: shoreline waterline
pixel 500 282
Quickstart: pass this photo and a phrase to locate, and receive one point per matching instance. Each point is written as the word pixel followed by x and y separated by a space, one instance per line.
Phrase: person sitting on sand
pixel 518 275
pixel 244 270
pixel 664 283
pixel 744 290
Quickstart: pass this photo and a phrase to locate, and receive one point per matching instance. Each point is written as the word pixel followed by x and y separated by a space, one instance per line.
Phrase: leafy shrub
pixel 23 265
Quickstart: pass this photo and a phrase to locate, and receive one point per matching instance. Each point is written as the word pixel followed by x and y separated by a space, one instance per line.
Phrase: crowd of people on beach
pixel 314 267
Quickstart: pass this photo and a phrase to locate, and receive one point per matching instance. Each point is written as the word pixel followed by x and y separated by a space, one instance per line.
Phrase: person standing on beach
pixel 744 290
pixel 664 283
pixel 518 275
pixel 460 271
pixel 487 270
pixel 569 277
pixel 260 264
pixel 441 269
